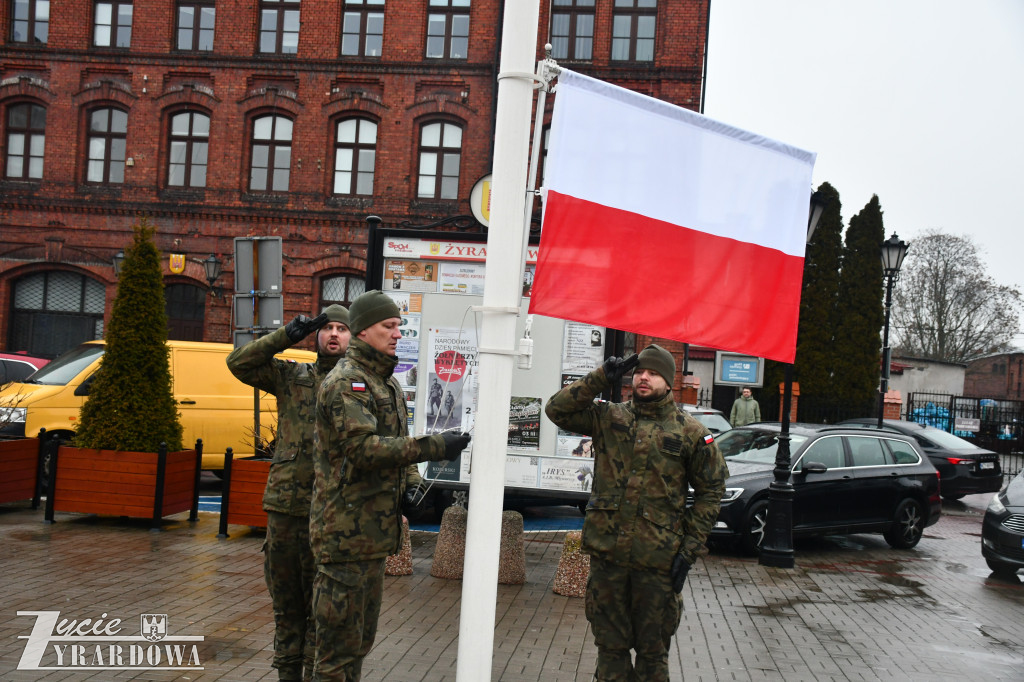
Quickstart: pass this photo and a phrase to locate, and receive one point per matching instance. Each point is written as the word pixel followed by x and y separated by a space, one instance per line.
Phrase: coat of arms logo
pixel 154 626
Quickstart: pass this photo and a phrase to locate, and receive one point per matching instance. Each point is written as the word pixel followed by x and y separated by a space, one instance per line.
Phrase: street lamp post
pixel 777 548
pixel 894 250
pixel 212 265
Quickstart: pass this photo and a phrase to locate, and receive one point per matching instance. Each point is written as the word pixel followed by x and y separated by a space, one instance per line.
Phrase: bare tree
pixel 946 308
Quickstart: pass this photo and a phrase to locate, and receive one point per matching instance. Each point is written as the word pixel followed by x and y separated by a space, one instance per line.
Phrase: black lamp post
pixel 894 250
pixel 118 260
pixel 212 265
pixel 777 548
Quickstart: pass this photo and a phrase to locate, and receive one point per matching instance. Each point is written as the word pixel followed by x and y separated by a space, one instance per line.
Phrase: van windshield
pixel 66 367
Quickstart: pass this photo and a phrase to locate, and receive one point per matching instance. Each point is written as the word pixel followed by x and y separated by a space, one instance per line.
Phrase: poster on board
pixel 410 275
pixel 524 423
pixel 582 347
pixel 462 278
pixel 451 354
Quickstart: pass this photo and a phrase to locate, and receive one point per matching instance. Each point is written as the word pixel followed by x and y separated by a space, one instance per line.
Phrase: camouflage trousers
pixel 288 567
pixel 346 604
pixel 636 609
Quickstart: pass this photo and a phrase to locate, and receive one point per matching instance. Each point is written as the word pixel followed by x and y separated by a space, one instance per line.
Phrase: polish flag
pixel 661 221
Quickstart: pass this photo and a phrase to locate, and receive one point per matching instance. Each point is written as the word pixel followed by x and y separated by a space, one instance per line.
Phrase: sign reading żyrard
pixel 63 644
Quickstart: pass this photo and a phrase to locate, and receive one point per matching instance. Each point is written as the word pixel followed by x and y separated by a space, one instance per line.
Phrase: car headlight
pixel 731 494
pixel 12 415
pixel 996 505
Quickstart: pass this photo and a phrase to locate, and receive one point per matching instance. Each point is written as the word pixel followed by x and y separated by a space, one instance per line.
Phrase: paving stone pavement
pixel 851 609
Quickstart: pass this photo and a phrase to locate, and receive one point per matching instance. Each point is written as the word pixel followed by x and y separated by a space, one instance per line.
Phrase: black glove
pixel 615 368
pixel 679 570
pixel 301 327
pixel 454 443
pixel 412 499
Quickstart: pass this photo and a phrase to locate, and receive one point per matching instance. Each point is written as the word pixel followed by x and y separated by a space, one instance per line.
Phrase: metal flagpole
pixel 502 292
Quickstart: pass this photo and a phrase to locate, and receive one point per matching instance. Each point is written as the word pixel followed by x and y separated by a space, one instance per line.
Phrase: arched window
pixel 186 308
pixel 271 154
pixel 26 140
pixel 108 133
pixel 187 158
pixel 440 157
pixel 341 289
pixel 55 310
pixel 355 152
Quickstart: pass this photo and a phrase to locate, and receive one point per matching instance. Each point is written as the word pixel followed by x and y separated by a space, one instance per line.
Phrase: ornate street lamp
pixel 777 548
pixel 118 260
pixel 894 250
pixel 212 265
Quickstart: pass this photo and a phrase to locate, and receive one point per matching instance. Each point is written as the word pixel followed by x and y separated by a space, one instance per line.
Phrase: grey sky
pixel 917 101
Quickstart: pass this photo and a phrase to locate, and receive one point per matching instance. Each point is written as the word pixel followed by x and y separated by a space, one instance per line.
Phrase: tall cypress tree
pixel 814 348
pixel 130 405
pixel 815 351
pixel 858 338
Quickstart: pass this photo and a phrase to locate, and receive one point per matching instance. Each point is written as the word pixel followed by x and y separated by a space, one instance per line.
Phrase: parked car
pixel 17 366
pixel 1002 530
pixel 845 480
pixel 713 419
pixel 964 468
pixel 212 403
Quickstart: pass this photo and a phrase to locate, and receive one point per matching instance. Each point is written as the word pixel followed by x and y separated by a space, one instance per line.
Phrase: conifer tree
pixel 131 406
pixel 860 314
pixel 816 354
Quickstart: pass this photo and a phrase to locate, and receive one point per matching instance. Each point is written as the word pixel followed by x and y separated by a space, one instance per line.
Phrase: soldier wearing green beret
pixel 288 561
pixel 365 470
pixel 641 537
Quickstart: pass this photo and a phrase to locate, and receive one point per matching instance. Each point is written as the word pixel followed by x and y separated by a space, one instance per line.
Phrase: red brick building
pixel 219 119
pixel 998 377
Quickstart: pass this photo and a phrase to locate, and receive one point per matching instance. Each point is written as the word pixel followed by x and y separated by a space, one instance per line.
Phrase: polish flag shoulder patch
pixel 709 439
pixel 358 387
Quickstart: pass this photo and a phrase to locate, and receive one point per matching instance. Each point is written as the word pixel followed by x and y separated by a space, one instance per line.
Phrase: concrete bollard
pixel 512 564
pixel 573 567
pixel 401 563
pixel 450 550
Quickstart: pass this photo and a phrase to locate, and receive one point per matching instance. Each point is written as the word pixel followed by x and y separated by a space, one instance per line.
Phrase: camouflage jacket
pixel 364 459
pixel 645 456
pixel 294 384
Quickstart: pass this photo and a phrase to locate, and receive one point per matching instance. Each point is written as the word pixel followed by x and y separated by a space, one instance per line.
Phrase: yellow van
pixel 212 403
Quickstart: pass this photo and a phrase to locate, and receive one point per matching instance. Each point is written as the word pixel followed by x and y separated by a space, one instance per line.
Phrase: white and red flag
pixel 661 221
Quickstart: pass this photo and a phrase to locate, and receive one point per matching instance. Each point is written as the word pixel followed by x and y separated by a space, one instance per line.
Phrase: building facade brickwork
pixel 65 211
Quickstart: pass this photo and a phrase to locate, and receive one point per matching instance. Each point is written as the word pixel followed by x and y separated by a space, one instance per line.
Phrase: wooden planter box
pixel 19 470
pixel 134 484
pixel 241 500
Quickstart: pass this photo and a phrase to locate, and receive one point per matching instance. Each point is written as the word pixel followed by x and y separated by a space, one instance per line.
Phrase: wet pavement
pixel 851 609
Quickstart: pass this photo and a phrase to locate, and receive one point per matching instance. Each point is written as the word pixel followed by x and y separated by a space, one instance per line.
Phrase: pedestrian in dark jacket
pixel 641 537
pixel 365 468
pixel 288 561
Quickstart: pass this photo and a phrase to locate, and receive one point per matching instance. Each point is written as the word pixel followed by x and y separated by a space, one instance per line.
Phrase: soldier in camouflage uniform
pixel 288 561
pixel 639 533
pixel 365 470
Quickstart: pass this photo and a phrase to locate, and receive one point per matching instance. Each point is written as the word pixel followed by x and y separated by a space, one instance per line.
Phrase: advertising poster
pixel 410 275
pixel 568 444
pixel 521 471
pixel 462 278
pixel 524 423
pixel 408 349
pixel 583 347
pixel 565 474
pixel 528 280
pixel 451 355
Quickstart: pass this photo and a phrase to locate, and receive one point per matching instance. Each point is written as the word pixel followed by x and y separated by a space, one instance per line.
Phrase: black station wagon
pixel 845 480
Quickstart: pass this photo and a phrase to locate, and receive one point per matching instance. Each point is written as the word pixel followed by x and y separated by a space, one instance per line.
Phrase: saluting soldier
pixel 641 537
pixel 288 561
pixel 365 470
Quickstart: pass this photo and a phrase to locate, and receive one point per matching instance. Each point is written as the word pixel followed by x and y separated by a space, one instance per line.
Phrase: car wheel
pixel 907 525
pixel 1001 568
pixel 953 496
pixel 754 524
